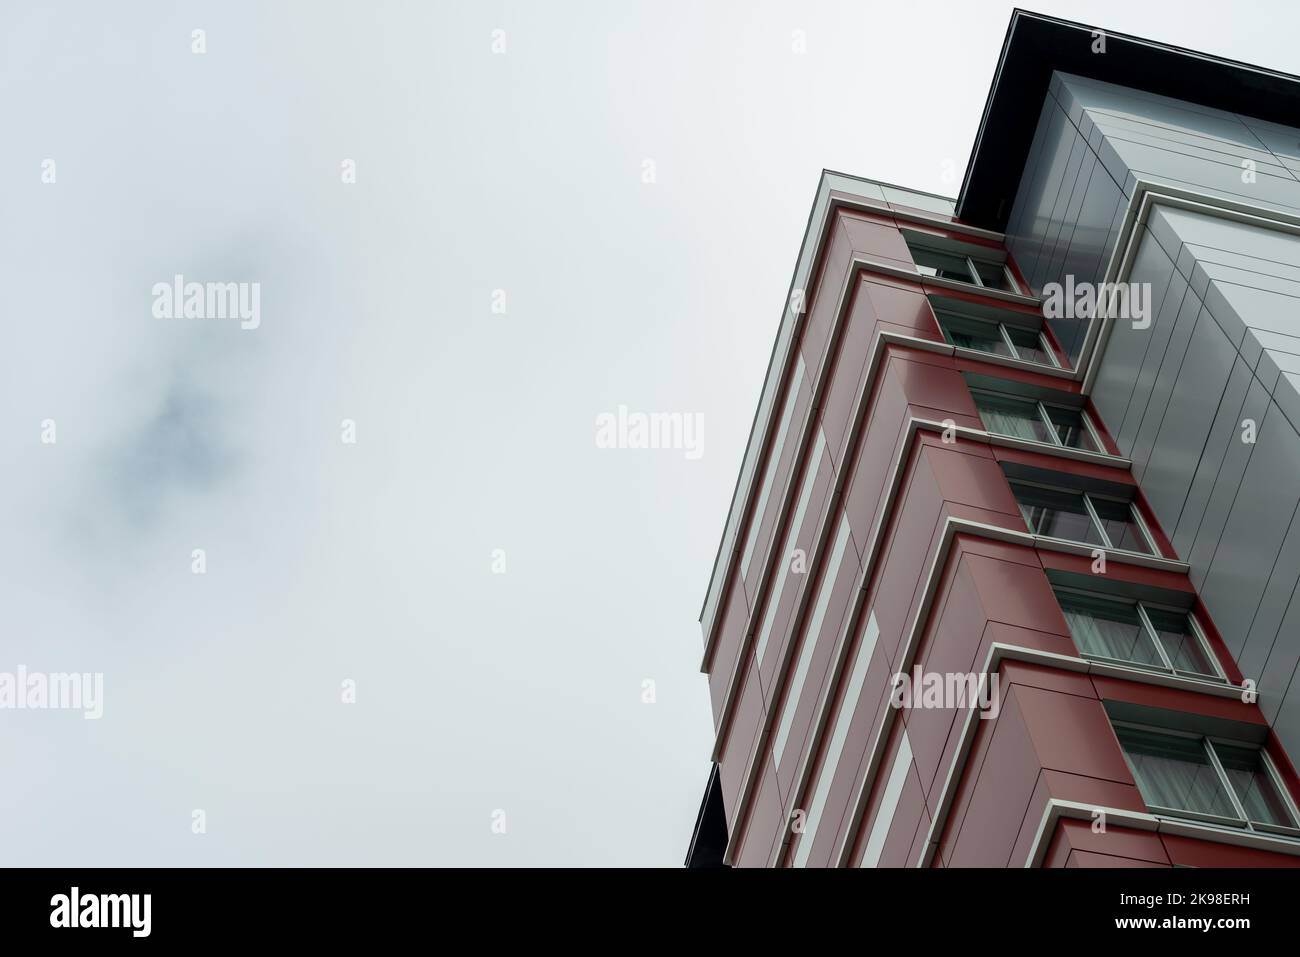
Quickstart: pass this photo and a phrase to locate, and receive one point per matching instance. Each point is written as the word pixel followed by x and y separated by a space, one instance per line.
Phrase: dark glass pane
pixel 1253 785
pixel 1175 772
pixel 1029 345
pixel 1110 629
pixel 993 275
pixel 1057 513
pixel 1070 427
pixel 1008 415
pixel 1181 644
pixel 974 334
pixel 1124 532
pixel 932 262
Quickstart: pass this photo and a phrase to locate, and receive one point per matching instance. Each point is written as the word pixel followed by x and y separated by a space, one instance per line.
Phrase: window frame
pixel 1012 285
pixel 1041 407
pixel 976 279
pixel 1207 741
pixel 1001 327
pixel 1089 426
pixel 1141 605
pixel 1138 520
pixel 1043 344
pixel 1136 513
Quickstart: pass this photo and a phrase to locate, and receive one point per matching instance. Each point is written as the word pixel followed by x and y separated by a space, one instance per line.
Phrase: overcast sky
pixel 380 562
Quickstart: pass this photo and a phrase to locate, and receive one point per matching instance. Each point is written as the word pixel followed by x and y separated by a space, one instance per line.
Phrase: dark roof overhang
pixel 1036 45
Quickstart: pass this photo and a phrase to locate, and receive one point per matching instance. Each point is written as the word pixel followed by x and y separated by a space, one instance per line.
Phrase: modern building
pixel 1010 573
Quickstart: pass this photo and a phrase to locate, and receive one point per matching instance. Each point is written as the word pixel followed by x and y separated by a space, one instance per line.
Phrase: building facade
pixel 1010 574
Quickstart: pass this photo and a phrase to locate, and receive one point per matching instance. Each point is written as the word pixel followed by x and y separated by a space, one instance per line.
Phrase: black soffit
pixel 1036 45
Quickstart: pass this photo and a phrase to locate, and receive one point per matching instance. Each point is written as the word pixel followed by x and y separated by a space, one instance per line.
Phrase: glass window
pixel 1027 418
pixel 1120 524
pixel 993 275
pixel 1058 513
pixel 1177 635
pixel 1110 629
pixel 1253 784
pixel 1205 776
pixel 1029 345
pixel 932 262
pixel 974 334
pixel 1136 633
pixel 1009 415
pixel 1071 429
pixel 987 335
pixel 961 267
pixel 1078 517
pixel 1175 772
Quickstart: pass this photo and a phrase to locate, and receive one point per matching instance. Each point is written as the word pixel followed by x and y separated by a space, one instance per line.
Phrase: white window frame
pixel 1012 285
pixel 1241 822
pixel 1001 327
pixel 1042 344
pixel 1194 628
pixel 1055 438
pixel 1138 520
pixel 975 278
pixel 1088 425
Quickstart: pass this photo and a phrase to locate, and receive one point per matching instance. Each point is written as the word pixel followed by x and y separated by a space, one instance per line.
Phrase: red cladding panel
pixel 823 303
pixel 1190 852
pixel 1115 841
pixel 874 464
pixel 1085 790
pixel 1016 594
pixel 902 305
pixel 996 792
pixel 877 237
pixel 731 632
pixel 781 478
pixel 970 478
pixel 867 715
pixel 850 368
pixel 817 676
pixel 765 819
pixel 948 645
pixel 938 387
pixel 749 713
pixel 794 572
pixel 1072 733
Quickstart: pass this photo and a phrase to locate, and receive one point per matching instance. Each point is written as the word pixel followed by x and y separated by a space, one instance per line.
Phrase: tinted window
pixel 931 262
pixel 1121 527
pixel 1058 513
pixel 1029 345
pixel 974 334
pixel 1070 428
pixel 1008 415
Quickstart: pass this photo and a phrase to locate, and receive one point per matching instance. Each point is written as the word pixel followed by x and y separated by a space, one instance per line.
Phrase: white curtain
pixel 1175 772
